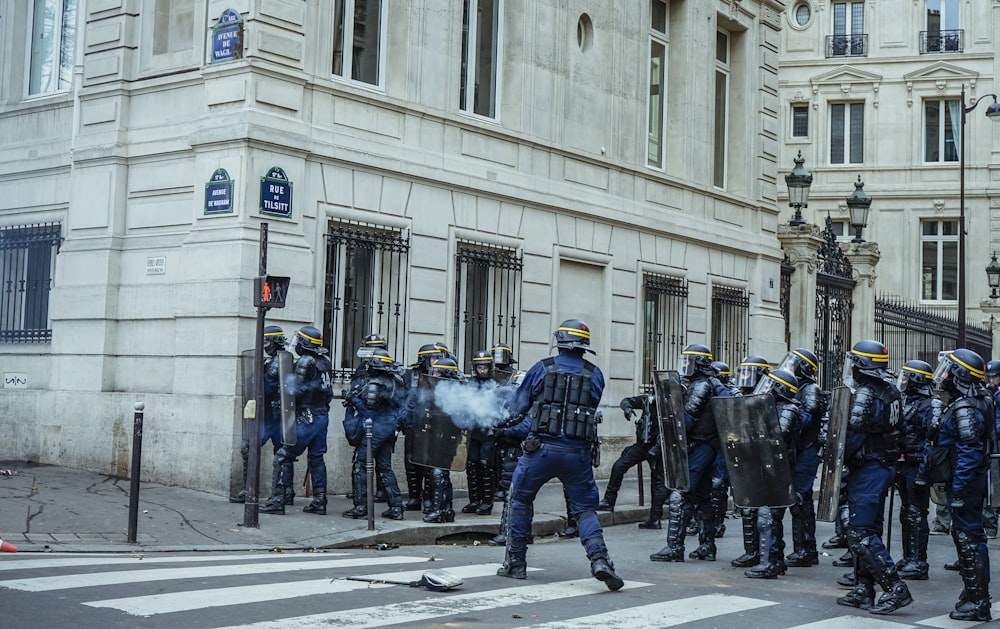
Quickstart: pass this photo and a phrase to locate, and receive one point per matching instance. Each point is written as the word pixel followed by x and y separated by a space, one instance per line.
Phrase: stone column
pixel 801 245
pixel 864 257
pixel 991 317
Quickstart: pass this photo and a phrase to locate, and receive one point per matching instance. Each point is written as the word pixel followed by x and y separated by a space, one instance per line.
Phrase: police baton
pixel 370 469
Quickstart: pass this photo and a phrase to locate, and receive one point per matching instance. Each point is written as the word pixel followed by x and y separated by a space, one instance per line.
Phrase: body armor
pixel 313 374
pixel 814 402
pixel 881 429
pixel 565 404
pixel 914 430
pixel 696 405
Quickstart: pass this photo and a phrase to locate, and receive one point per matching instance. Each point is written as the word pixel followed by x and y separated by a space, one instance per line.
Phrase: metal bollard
pixel 370 469
pixel 133 494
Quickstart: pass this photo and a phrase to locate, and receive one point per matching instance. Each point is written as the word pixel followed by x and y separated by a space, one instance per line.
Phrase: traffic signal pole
pixel 251 508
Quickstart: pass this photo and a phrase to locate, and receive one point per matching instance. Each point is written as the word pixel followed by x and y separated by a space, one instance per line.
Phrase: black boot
pixel 751 540
pixel 275 504
pixel 515 566
pixel 674 550
pixel 974 604
pixel 571 530
pixel 720 504
pixel 847 580
pixel 487 485
pixel 801 557
pixel 650 524
pixel 861 597
pixel 839 540
pixel 500 539
pixel 769 570
pixel 290 496
pixel 357 512
pixel 603 570
pixel 846 560
pixel 916 568
pixel 898 595
pixel 318 504
pixel 472 478
pixel 608 504
pixel 393 513
pixel 706 541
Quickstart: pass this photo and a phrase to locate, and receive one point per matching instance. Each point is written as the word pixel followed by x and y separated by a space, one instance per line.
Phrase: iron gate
pixel 834 288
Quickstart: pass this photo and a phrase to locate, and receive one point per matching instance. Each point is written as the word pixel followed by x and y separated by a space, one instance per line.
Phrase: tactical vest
pixel 565 405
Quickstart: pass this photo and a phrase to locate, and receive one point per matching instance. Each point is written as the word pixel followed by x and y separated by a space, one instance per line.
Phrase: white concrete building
pixel 471 172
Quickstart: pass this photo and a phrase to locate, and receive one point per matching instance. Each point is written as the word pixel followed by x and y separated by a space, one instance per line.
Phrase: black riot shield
pixel 286 367
pixel 670 408
pixel 833 454
pixel 436 440
pixel 755 451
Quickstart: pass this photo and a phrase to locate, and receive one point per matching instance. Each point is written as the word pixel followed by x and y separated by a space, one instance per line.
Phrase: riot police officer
pixel 480 460
pixel 559 398
pixel 696 370
pixel 379 405
pixel 751 371
pixel 871 451
pixel 442 491
pixel 914 382
pixel 313 392
pixel 783 386
pixel 991 517
pixel 959 456
pixel 813 406
pixel 720 473
pixel 270 428
pixel 417 478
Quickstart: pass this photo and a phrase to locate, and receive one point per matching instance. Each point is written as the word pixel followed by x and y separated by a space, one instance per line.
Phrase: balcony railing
pixel 941 41
pixel 847 45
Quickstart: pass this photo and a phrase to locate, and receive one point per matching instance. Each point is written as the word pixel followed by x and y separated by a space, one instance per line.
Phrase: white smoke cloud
pixel 472 404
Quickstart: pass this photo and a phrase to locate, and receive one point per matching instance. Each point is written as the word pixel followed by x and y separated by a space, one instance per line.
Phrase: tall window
pixel 721 107
pixel 487 298
pixel 365 291
pixel 27 266
pixel 939 260
pixel 848 29
pixel 730 324
pixel 941 121
pixel 664 322
pixel 800 121
pixel 656 129
pixel 174 25
pixel 847 133
pixel 53 41
pixel 357 40
pixel 943 31
pixel 480 61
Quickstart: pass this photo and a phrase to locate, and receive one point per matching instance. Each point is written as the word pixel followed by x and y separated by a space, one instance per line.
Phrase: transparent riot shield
pixel 436 439
pixel 755 451
pixel 670 408
pixel 833 454
pixel 286 367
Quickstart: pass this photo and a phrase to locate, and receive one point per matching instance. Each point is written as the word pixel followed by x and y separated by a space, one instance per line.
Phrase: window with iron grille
pixel 487 298
pixel 27 266
pixel 365 291
pixel 730 324
pixel 664 323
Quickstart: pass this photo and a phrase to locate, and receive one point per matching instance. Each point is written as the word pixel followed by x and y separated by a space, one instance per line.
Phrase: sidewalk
pixel 45 508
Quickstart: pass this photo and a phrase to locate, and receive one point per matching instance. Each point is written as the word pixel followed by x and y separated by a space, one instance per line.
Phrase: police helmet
pixel 308 339
pixel 274 339
pixel 722 370
pixel 503 354
pixel 426 353
pixel 752 370
pixel 375 340
pixel 962 369
pixel 380 360
pixel 993 368
pixel 869 357
pixel 482 358
pixel 445 368
pixel 801 362
pixel 780 383
pixel 695 359
pixel 915 375
pixel 573 334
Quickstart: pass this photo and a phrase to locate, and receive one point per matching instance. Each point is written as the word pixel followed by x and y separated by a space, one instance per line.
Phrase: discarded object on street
pixel 433 580
pixel 7 547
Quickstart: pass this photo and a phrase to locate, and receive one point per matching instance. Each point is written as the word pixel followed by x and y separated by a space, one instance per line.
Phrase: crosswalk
pixel 333 587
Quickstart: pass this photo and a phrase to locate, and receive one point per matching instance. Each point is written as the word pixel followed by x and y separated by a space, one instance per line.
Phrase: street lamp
pixel 858 205
pixel 798 182
pixel 993 276
pixel 993 113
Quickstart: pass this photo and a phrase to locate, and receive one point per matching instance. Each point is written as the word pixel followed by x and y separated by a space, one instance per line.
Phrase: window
pixel 848 37
pixel 847 133
pixel 53 43
pixel 664 322
pixel 174 26
pixel 800 121
pixel 365 291
pixel 27 266
pixel 730 324
pixel 721 107
pixel 487 298
pixel 939 260
pixel 360 23
pixel 802 14
pixel 480 40
pixel 657 83
pixel 941 120
pixel 943 32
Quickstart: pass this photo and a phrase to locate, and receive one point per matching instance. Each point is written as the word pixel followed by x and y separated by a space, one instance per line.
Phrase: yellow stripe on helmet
pixel 978 374
pixel 691 353
pixel 791 387
pixel 879 358
pixel 806 358
pixel 577 332
pixel 920 371
pixel 309 338
pixel 451 367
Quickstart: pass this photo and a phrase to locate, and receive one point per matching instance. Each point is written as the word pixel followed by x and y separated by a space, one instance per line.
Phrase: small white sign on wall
pixel 15 380
pixel 156 266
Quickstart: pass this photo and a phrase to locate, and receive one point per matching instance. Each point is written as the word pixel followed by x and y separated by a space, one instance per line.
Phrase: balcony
pixel 847 45
pixel 941 41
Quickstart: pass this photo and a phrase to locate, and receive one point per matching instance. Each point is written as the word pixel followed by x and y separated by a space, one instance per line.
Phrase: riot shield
pixel 248 380
pixel 993 481
pixel 670 408
pixel 286 367
pixel 833 454
pixel 436 440
pixel 755 451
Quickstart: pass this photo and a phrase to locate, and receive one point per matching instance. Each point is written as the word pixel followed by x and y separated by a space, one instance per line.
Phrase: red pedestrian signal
pixel 269 291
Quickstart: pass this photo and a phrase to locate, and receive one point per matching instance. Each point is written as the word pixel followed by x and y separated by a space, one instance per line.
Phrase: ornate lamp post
pixel 798 182
pixel 858 205
pixel 993 276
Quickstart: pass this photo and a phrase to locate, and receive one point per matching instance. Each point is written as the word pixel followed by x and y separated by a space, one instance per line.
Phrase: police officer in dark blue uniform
pixel 965 439
pixel 480 460
pixel 441 489
pixel 782 385
pixel 311 386
pixel 417 476
pixel 914 382
pixel 871 451
pixel 991 517
pixel 381 400
pixel 696 370
pixel 751 371
pixel 813 405
pixel 559 398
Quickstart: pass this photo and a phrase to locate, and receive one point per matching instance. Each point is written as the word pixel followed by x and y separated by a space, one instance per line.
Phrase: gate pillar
pixel 864 257
pixel 801 244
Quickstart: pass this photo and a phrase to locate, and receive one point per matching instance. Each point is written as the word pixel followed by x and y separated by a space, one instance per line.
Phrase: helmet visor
pixel 686 365
pixel 747 376
pixel 790 363
pixel 848 373
pixel 942 369
pixel 501 355
pixel 766 385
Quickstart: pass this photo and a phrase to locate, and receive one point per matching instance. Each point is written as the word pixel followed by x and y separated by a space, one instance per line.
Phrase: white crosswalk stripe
pixel 666 614
pixel 76 561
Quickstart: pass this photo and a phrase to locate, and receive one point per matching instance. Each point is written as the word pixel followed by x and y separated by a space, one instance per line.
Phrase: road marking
pixel 855 622
pixel 118 560
pixel 666 614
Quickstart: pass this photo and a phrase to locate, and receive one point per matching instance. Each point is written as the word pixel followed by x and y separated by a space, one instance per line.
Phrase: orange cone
pixel 7 547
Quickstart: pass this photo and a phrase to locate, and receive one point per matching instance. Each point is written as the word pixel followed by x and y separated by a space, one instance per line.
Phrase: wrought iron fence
pixel 834 306
pixel 487 298
pixel 912 333
pixel 847 45
pixel 730 324
pixel 27 267
pixel 664 324
pixel 941 41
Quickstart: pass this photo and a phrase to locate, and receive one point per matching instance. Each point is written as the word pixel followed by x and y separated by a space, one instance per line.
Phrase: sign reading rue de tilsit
pixel 276 193
pixel 219 193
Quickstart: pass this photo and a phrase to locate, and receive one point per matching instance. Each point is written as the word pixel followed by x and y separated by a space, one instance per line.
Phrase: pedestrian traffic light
pixel 269 291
